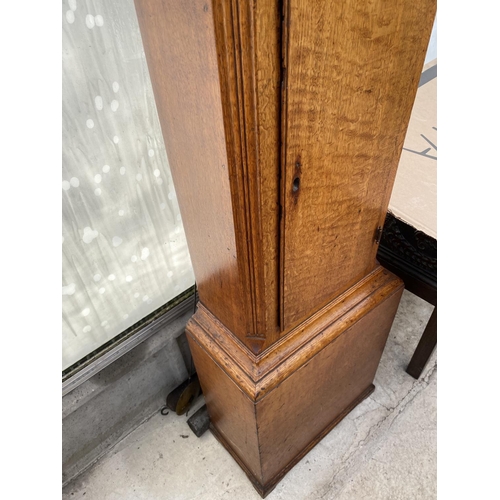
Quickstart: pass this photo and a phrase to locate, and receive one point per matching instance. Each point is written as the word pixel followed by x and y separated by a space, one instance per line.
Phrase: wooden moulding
pixel 269 410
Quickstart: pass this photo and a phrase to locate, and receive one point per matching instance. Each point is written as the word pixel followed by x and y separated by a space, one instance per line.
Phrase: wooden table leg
pixel 424 348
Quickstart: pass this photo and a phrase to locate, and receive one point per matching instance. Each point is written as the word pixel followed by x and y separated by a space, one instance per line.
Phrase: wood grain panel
pixel 293 414
pixel 179 43
pixel 216 74
pixel 225 401
pixel 259 374
pixel 351 78
pixel 269 410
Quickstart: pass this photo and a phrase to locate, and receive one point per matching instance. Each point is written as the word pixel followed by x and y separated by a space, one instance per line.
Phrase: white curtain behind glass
pixel 123 244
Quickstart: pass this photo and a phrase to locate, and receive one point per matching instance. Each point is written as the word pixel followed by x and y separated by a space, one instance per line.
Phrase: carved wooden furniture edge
pixel 259 375
pixel 237 43
pixel 410 249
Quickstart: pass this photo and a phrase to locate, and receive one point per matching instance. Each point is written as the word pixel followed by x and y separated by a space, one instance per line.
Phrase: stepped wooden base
pixel 269 410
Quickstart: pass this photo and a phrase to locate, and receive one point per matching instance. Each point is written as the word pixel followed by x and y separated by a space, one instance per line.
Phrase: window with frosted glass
pixel 123 245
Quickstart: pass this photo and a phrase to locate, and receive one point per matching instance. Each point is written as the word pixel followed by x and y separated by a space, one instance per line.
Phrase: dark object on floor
pixel 412 255
pixel 200 421
pixel 182 397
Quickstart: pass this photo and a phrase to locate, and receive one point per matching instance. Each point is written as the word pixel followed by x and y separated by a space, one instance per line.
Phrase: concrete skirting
pixel 104 409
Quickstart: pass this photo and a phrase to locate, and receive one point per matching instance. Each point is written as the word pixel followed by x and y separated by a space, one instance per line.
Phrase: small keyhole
pixel 296 184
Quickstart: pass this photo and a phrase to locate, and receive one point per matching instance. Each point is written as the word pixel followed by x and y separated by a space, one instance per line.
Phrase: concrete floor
pixel 384 449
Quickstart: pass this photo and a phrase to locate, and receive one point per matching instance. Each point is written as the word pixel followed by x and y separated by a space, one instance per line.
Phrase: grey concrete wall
pixel 107 407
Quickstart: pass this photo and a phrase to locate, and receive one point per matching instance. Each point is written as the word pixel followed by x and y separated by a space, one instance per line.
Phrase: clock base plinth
pixel 264 490
pixel 269 410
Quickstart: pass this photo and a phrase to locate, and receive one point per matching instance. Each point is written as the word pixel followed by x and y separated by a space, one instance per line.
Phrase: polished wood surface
pixel 179 43
pixel 248 44
pixel 230 409
pixel 265 489
pixel 256 375
pixel 351 78
pixel 283 122
pixel 216 74
pixel 271 410
pixel 250 103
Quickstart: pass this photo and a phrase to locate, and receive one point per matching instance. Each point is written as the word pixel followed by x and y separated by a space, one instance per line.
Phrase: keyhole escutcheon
pixel 296 177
